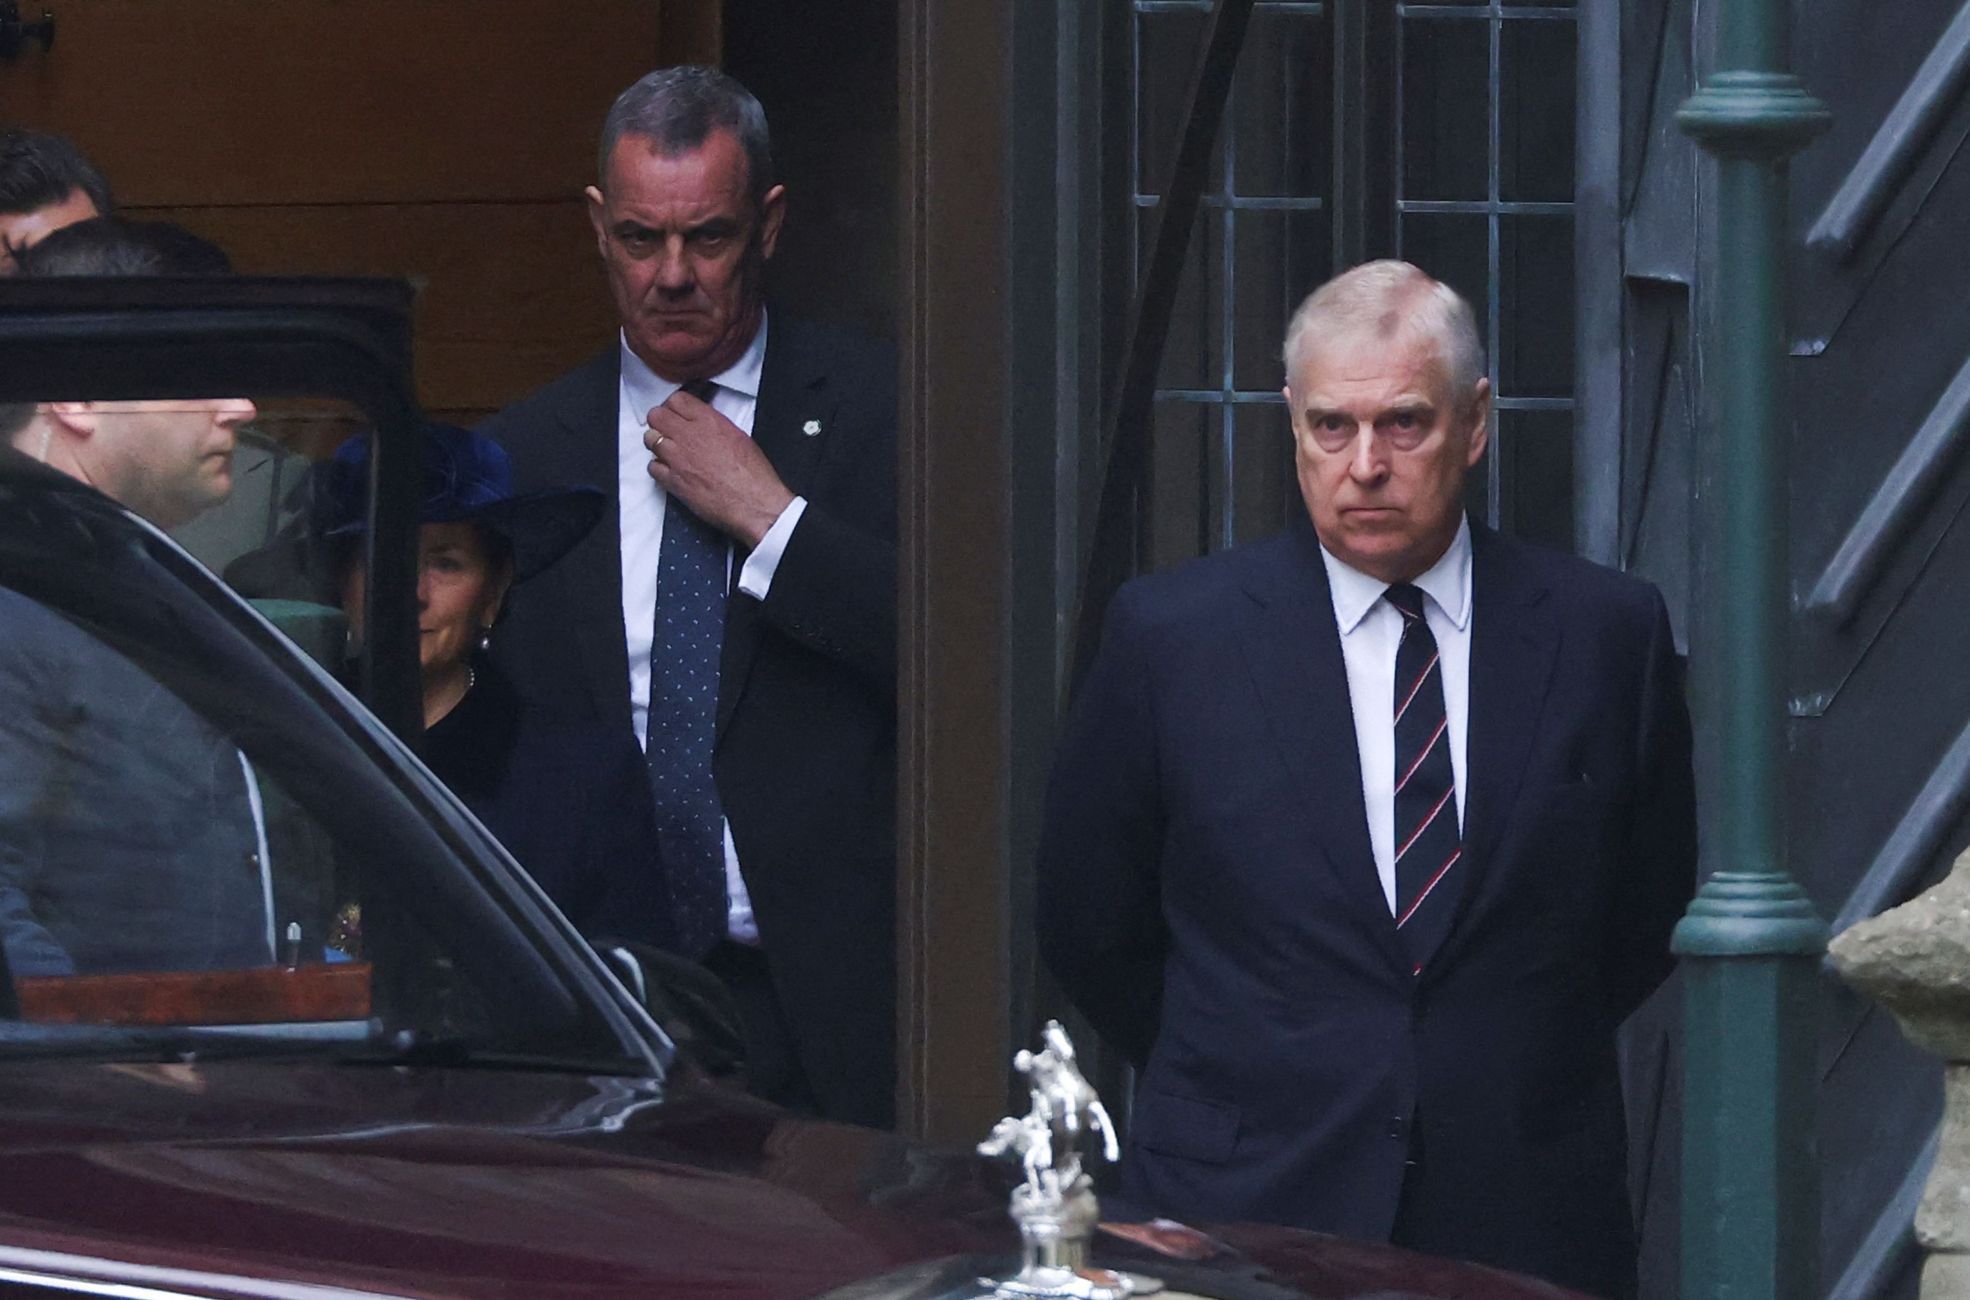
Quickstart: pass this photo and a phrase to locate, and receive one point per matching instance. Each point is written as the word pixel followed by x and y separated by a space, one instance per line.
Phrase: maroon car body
pixel 275 1177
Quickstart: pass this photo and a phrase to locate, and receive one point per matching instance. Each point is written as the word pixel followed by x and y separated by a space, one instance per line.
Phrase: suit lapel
pixel 794 397
pixel 593 575
pixel 1514 640
pixel 1294 652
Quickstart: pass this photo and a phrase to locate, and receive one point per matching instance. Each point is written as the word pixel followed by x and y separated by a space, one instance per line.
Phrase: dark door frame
pixel 953 986
pixel 999 465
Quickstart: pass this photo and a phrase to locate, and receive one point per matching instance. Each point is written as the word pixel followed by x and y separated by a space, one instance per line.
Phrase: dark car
pixel 290 1023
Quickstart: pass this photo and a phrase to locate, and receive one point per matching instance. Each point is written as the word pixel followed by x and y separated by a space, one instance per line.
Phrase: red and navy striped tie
pixel 1428 845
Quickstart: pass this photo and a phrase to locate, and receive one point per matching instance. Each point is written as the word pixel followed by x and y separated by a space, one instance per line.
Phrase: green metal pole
pixel 1751 940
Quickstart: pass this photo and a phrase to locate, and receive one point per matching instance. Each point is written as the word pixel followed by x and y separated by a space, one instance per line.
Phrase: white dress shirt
pixel 1371 629
pixel 641 504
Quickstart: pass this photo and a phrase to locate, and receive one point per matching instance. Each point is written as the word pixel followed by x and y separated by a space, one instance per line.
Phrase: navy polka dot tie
pixel 689 633
pixel 1428 845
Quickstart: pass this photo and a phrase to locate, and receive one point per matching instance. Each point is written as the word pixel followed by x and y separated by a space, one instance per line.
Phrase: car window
pixel 139 839
pixel 257 536
pixel 201 830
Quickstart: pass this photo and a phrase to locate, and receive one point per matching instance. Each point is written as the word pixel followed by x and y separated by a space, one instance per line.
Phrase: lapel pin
pixel 811 428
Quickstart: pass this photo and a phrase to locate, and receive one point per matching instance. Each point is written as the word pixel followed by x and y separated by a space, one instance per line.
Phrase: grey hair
pixel 1391 300
pixel 676 109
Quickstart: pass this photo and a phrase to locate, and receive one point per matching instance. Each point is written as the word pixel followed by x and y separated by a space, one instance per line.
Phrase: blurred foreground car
pixel 419 1081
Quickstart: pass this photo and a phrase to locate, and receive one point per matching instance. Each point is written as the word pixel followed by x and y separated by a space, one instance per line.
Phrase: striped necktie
pixel 688 636
pixel 1428 844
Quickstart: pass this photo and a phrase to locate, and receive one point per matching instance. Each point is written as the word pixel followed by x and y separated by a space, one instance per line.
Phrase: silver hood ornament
pixel 1055 1207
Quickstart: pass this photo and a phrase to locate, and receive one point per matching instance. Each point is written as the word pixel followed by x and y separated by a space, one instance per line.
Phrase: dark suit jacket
pixel 568 799
pixel 1209 899
pixel 127 839
pixel 806 756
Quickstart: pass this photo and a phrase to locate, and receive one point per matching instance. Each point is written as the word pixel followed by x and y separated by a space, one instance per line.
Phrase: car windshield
pixel 206 846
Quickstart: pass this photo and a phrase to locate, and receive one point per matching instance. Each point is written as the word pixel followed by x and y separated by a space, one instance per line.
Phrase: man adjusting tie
pixel 739 618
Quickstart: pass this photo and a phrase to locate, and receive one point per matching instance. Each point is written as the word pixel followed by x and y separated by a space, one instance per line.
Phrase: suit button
pixel 1398 1127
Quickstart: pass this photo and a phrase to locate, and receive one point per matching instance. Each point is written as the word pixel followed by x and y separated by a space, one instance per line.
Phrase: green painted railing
pixel 1751 940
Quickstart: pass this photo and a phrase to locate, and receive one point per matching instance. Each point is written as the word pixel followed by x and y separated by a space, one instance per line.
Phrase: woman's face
pixel 458 594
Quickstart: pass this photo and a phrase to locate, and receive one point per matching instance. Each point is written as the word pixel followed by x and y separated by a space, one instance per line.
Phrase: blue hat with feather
pixel 467 478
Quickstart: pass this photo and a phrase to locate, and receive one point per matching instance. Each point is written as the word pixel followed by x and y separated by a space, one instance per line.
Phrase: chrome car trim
pixel 90 1275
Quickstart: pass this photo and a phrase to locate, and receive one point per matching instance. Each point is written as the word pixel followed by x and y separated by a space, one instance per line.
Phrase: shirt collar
pixel 645 388
pixel 1447 582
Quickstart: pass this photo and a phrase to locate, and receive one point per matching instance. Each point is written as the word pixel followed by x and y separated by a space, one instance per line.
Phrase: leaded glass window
pixel 1479 165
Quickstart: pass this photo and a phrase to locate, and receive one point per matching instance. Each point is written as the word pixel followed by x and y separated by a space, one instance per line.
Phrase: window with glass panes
pixel 1481 177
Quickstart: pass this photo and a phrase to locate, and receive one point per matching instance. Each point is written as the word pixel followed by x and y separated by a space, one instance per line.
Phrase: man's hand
pixel 708 463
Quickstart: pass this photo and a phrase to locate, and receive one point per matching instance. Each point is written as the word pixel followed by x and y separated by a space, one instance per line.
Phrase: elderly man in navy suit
pixel 1362 842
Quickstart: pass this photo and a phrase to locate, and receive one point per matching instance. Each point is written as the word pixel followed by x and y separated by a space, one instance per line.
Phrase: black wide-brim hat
pixel 468 478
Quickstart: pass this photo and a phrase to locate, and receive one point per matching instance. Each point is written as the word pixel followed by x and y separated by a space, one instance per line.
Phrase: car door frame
pixel 111 338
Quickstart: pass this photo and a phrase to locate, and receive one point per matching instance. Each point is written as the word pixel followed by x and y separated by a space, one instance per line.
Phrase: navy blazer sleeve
pixel 1656 873
pixel 1101 927
pixel 834 590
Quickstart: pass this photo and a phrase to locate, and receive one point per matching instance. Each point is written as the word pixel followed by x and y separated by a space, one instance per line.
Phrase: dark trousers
pixel 773 1068
pixel 1435 1220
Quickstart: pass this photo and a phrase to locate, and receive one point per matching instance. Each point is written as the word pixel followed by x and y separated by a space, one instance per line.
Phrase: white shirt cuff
pixel 757 575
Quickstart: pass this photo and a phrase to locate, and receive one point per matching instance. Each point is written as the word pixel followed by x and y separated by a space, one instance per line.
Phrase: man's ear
pixel 1480 422
pixel 78 419
pixel 598 218
pixel 772 213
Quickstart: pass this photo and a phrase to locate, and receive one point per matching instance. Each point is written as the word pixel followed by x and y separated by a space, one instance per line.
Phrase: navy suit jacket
pixel 1208 898
pixel 127 835
pixel 806 749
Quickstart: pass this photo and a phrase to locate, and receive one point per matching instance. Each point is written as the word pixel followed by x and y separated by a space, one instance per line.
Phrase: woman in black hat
pixel 569 801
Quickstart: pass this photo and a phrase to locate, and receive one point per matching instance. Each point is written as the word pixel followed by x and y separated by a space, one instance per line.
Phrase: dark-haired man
pixel 131 833
pixel 739 616
pixel 118 246
pixel 45 184
pixel 168 460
